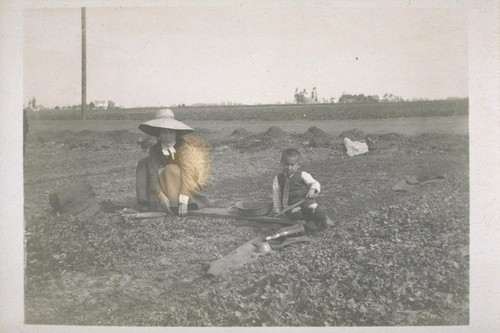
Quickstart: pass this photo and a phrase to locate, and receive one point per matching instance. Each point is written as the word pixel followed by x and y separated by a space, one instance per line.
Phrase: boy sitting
pixel 293 185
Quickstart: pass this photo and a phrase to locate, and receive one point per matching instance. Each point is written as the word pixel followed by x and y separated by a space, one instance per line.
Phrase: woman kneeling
pixel 172 176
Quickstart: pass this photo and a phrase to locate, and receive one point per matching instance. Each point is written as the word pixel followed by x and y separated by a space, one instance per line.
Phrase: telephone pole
pixel 84 66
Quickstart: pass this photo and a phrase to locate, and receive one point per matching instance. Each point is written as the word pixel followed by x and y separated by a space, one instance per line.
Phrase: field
pixel 404 125
pixel 277 112
pixel 392 258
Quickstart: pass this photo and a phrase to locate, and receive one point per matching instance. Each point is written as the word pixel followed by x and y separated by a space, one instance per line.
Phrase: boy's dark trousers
pixel 315 220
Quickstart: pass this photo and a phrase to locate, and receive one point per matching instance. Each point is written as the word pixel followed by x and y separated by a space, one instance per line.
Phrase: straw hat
pixel 164 119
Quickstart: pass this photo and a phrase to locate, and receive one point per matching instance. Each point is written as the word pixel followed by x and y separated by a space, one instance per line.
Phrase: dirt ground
pixel 392 258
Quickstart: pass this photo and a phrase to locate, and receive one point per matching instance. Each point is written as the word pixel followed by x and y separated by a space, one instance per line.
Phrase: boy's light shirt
pixel 170 151
pixel 277 197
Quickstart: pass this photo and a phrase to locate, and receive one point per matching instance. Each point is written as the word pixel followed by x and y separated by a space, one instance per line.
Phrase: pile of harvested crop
pixel 263 140
pixel 316 137
pixel 240 132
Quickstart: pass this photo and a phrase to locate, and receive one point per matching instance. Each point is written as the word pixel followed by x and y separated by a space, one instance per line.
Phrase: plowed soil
pixel 392 258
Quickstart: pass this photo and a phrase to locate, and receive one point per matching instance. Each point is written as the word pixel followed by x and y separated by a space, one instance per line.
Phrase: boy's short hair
pixel 290 152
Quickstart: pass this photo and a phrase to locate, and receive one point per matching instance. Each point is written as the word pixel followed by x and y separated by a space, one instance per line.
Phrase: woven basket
pixel 254 207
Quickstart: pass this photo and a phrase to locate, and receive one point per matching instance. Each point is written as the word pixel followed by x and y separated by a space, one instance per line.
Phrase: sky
pixel 162 56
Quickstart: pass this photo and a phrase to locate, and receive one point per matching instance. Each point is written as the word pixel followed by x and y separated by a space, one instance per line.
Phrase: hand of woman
pixel 183 210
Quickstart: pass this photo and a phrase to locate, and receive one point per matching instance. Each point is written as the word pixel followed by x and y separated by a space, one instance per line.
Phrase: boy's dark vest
pixel 297 188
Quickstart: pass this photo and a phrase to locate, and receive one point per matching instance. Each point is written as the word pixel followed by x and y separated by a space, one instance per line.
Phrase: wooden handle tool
pixel 290 207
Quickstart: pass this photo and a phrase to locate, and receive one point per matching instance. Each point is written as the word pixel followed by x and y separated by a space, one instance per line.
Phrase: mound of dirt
pixel 353 134
pixel 263 140
pixel 391 137
pixel 387 143
pixel 316 137
pixel 317 132
pixel 273 132
pixel 241 132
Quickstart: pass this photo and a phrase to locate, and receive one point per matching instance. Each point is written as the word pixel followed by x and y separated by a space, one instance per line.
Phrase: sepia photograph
pixel 223 165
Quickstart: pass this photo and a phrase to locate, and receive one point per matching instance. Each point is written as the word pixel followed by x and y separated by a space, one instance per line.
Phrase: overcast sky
pixel 164 56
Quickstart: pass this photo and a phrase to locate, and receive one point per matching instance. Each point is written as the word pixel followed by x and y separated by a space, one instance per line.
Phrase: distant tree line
pixel 223 103
pixel 361 98
pixel 92 105
pixel 302 97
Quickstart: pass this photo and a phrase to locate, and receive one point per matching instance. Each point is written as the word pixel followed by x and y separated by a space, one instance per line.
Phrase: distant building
pixel 101 104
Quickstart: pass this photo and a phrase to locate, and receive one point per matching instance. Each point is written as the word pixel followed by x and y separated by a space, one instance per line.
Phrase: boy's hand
pixel 311 194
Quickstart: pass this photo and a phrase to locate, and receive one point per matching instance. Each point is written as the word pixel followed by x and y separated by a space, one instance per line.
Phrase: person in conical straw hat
pixel 172 176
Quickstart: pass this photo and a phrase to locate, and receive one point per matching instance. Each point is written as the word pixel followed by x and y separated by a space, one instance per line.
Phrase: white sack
pixel 355 147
